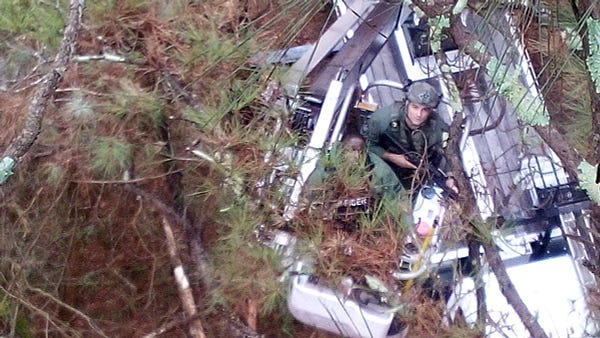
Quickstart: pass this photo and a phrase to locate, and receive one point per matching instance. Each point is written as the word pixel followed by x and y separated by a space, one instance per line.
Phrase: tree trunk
pixel 510 293
pixel 470 213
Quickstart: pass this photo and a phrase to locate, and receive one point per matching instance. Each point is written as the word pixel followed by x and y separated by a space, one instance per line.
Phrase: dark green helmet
pixel 425 94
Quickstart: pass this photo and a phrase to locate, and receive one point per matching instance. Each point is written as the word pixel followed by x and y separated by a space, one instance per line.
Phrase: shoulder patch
pixel 445 137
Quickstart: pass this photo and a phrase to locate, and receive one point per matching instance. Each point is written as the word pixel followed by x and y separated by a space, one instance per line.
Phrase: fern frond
pixel 593 60
pixel 530 110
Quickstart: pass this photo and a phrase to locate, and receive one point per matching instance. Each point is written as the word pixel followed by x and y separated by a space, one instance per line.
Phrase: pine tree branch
pixel 592 8
pixel 183 285
pixel 21 144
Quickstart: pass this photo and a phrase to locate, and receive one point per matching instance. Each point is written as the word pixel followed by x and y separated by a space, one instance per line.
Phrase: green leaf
pixel 458 8
pixel 376 284
pixel 437 27
pixel 587 180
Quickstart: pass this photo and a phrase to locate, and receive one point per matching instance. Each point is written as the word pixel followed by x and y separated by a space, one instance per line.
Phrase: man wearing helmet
pixel 408 130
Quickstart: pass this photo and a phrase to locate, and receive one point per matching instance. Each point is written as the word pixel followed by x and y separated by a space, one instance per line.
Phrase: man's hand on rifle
pixel 398 159
pixel 451 184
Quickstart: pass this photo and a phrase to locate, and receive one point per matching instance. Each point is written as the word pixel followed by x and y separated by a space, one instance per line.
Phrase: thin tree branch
pixel 102 57
pixel 128 181
pixel 166 327
pixel 183 284
pixel 85 317
pixel 199 257
pixel 59 325
pixel 35 113
pixel 510 292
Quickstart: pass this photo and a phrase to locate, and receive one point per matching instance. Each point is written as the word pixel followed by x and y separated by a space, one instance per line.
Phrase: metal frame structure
pixel 512 177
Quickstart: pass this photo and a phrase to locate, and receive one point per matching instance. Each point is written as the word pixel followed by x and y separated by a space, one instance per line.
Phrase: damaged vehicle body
pixel 364 61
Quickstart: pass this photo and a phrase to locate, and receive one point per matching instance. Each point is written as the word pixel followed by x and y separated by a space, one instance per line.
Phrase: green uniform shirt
pixel 386 130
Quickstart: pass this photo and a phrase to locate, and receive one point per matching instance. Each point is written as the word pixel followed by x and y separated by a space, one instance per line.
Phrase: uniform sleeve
pixel 375 126
pixel 313 188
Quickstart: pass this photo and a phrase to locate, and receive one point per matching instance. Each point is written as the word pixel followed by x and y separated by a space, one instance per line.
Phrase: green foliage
pixel 438 24
pixel 458 8
pixel 396 209
pixel 131 101
pixel 18 58
pixel 564 82
pixel 206 47
pixel 5 307
pixel 22 325
pixel 247 270
pixel 587 181
pixel 340 163
pixel 228 100
pixel 206 120
pixel 482 231
pixel 242 94
pixel 572 37
pixel 575 109
pixel 110 156
pixel 55 174
pixel 593 59
pixel 530 110
pixel 107 10
pixel 35 20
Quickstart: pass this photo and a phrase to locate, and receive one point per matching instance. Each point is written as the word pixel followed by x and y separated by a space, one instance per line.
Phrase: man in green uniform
pixel 347 181
pixel 407 131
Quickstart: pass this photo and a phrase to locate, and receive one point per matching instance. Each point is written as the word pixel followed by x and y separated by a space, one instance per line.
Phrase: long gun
pixel 438 176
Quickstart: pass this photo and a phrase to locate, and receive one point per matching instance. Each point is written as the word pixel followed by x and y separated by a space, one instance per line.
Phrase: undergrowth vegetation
pixel 181 115
pixel 166 103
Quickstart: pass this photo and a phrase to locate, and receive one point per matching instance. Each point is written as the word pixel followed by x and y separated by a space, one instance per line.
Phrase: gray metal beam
pixel 357 10
pixel 358 53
